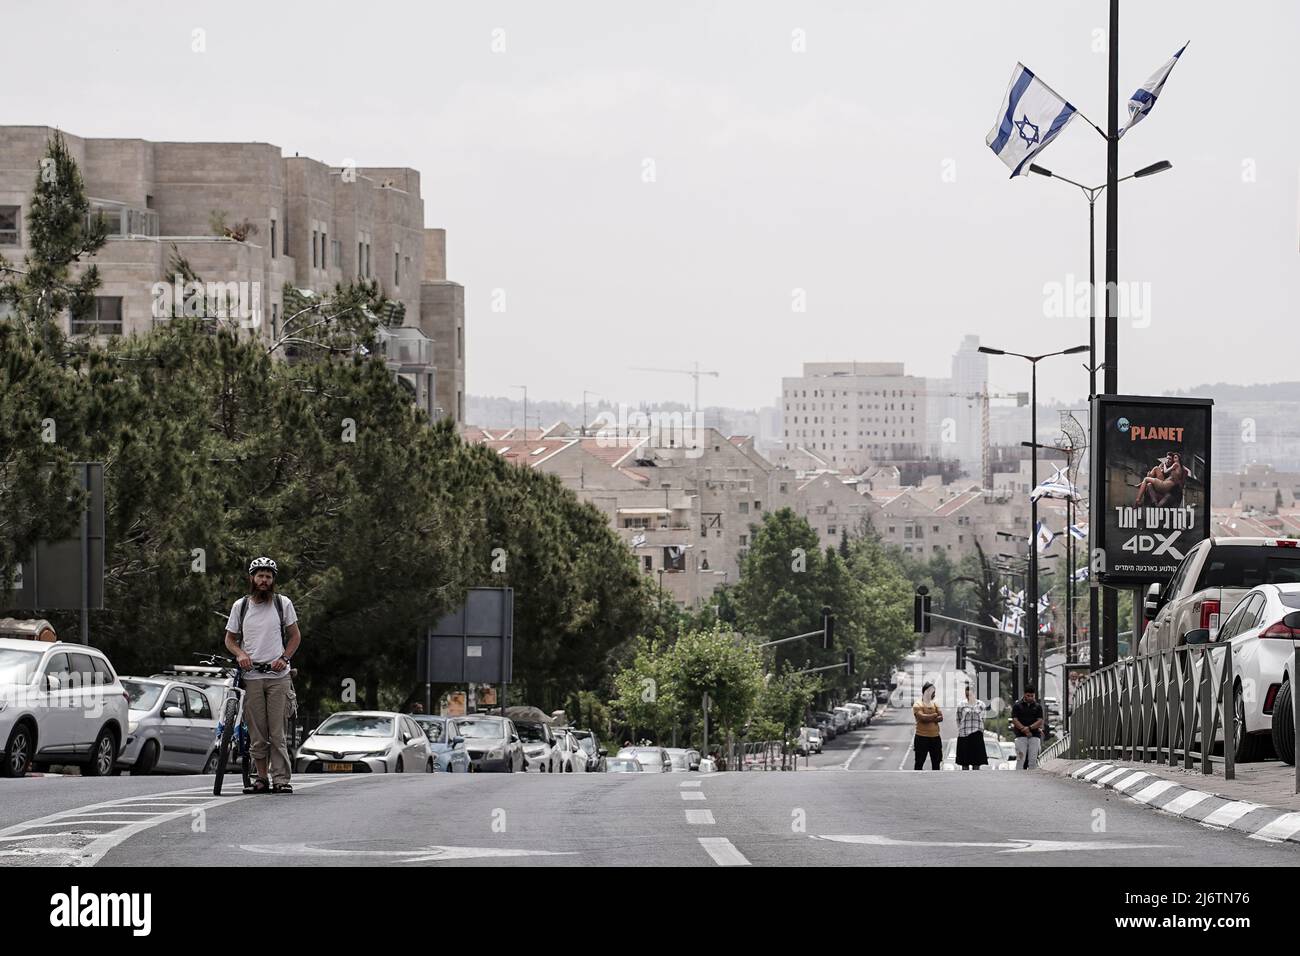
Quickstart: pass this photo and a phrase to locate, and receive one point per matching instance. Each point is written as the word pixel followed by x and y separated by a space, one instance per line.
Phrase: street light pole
pixel 1031 588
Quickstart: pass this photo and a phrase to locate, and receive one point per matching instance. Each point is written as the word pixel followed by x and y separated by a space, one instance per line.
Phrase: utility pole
pixel 1110 597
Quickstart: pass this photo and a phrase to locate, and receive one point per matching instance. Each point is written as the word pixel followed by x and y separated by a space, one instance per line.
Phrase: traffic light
pixel 848 659
pixel 921 610
pixel 828 629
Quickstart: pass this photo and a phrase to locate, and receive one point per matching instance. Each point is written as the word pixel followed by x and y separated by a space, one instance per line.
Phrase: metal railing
pixel 1165 707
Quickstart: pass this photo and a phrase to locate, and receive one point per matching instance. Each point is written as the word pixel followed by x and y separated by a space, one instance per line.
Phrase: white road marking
pixel 1230 813
pixel 1093 775
pixel 1284 827
pixel 700 817
pixel 691 783
pixel 73 844
pixel 723 852
pixel 693 795
pixel 1147 794
pixel 1113 775
pixel 862 744
pixel 1008 846
pixel 1185 801
pixel 419 854
pixel 1084 769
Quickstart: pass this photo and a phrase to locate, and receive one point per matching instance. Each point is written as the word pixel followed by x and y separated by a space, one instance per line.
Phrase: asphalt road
pixel 857 808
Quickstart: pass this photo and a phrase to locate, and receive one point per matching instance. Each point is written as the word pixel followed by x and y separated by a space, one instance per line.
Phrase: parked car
pixel 59 703
pixel 707 765
pixel 623 765
pixel 540 746
pixel 366 741
pixel 596 754
pixel 861 713
pixel 493 743
pixel 573 759
pixel 679 759
pixel 447 745
pixel 1263 630
pixel 1211 580
pixel 809 742
pixel 826 724
pixel 693 759
pixel 172 728
pixel 652 759
pixel 842 720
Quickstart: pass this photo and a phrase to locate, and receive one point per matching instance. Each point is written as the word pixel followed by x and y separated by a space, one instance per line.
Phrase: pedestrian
pixel 928 716
pixel 971 754
pixel 262 633
pixel 416 708
pixel 1027 722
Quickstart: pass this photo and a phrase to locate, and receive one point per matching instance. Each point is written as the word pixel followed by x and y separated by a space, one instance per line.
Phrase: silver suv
pixel 59 704
pixel 1212 579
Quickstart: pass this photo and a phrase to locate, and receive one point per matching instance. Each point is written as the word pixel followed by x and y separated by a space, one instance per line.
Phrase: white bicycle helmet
pixel 258 564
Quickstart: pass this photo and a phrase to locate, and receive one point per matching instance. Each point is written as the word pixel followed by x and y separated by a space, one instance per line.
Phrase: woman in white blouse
pixel 970 732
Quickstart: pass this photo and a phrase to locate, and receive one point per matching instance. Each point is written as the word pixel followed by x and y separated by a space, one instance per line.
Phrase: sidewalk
pixel 1261 802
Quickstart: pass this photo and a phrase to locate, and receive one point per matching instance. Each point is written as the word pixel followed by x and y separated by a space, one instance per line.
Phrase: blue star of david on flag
pixel 1021 125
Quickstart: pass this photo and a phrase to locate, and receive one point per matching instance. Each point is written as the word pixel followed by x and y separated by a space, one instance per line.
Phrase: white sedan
pixel 366 741
pixel 1263 630
pixel 572 758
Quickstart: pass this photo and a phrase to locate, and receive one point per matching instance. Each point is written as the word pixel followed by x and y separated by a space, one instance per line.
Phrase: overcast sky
pixel 855 171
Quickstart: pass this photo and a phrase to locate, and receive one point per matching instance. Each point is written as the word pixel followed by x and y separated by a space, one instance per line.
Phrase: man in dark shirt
pixel 1027 722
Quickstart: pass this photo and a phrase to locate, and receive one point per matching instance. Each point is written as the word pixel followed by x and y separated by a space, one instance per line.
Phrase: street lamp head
pixel 1077 349
pixel 988 351
pixel 1039 170
pixel 1154 168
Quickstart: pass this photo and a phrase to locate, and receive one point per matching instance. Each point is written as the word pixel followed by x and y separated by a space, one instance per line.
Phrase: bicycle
pixel 232 729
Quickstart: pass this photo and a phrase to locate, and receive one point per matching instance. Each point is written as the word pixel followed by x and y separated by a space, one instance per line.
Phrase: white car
pixel 541 751
pixel 60 703
pixel 1263 630
pixel 366 741
pixel 573 759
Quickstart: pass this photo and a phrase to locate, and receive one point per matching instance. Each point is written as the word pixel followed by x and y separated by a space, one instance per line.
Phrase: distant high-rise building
pixel 855 414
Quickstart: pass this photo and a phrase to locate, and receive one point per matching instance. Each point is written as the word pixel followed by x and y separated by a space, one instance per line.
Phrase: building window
pixel 324 250
pixel 107 318
pixel 744 507
pixel 336 253
pixel 315 263
pixel 638 522
pixel 285 247
pixel 674 558
pixel 9 225
pixel 758 506
pixel 744 541
pixel 397 268
pixel 460 342
pixel 273 239
pixel 647 563
pixel 830 529
pixel 361 260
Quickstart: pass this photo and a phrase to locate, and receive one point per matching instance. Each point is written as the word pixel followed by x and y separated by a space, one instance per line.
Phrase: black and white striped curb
pixel 1258 821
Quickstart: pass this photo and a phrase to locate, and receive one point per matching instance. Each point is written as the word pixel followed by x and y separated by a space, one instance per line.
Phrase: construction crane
pixel 694 373
pixel 986 460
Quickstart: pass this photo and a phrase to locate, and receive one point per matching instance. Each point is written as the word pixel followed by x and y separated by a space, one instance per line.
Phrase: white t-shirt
pixel 262 632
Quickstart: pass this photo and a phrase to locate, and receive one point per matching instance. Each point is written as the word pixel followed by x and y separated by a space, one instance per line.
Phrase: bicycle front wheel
pixel 228 718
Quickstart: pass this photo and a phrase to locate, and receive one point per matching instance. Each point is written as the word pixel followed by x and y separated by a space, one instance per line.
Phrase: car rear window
pixel 1291 599
pixel 1245 566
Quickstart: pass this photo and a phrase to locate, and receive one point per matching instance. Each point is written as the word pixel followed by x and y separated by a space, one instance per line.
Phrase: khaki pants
pixel 266 703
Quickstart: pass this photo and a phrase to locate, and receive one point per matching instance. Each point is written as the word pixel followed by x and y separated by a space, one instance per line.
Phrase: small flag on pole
pixel 1142 102
pixel 1079 531
pixel 1043 536
pixel 1032 115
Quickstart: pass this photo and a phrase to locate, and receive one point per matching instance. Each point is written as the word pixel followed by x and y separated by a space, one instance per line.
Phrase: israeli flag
pixel 1032 115
pixel 1058 486
pixel 1142 102
pixel 1078 531
pixel 1043 536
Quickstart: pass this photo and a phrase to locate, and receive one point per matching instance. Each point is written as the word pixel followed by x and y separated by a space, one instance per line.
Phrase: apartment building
pixel 251 220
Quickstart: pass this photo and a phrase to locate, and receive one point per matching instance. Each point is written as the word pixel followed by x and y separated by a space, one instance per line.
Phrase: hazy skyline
pixel 855 171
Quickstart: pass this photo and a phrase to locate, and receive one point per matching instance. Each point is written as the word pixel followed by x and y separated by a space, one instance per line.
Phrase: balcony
pixel 123 221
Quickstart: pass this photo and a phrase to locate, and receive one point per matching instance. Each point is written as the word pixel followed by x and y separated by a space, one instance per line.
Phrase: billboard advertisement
pixel 1150 485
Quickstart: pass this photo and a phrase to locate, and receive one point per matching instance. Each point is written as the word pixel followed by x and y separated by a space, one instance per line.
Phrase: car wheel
pixel 1248 747
pixel 211 765
pixel 429 767
pixel 18 751
pixel 1283 725
pixel 102 755
pixel 148 758
pixel 400 768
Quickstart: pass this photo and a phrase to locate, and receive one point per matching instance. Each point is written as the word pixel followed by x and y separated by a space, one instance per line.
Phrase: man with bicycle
pixel 263 629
